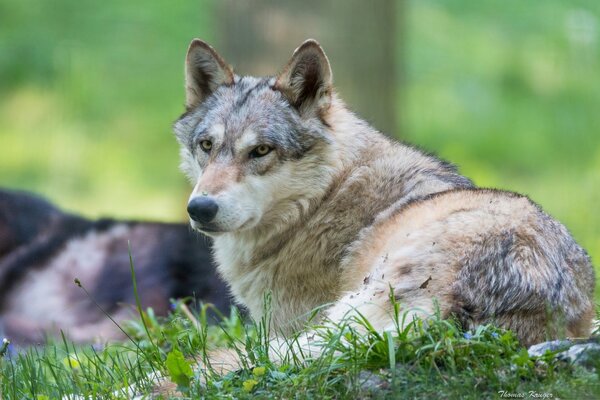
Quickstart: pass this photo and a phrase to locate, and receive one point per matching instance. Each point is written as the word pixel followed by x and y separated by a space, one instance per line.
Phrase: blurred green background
pixel 508 90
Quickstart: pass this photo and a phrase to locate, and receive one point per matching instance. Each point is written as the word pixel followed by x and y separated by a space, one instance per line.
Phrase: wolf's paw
pixel 224 361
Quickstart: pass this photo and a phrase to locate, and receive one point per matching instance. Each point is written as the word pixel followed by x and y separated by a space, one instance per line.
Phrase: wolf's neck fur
pixel 300 254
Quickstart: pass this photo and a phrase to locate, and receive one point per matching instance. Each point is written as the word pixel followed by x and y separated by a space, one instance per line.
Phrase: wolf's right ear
pixel 205 70
pixel 306 79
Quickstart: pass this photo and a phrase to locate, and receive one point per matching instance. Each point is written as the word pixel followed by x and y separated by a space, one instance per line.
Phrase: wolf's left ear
pixel 306 79
pixel 205 70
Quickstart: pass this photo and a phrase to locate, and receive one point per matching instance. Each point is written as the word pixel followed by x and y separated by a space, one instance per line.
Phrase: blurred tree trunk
pixel 360 38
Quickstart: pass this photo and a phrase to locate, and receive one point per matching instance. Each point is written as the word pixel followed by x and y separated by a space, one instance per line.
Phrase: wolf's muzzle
pixel 202 209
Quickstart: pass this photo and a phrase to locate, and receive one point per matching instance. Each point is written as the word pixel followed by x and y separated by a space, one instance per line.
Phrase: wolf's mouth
pixel 207 229
pixel 211 229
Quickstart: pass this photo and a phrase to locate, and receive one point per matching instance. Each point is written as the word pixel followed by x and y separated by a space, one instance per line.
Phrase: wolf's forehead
pixel 247 112
pixel 251 100
pixel 249 104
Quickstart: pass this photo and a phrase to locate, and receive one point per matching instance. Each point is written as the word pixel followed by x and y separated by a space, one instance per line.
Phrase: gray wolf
pixel 307 202
pixel 43 249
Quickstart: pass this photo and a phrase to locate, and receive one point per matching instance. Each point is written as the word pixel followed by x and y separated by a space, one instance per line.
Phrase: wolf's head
pixel 255 149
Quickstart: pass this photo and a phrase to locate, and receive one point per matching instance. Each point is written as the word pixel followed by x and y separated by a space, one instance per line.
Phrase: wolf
pixel 43 249
pixel 307 202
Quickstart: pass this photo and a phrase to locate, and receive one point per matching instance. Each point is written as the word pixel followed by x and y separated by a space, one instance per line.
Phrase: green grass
pixel 417 359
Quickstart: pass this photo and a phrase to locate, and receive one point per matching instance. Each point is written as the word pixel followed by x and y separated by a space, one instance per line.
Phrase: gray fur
pixel 43 249
pixel 250 103
pixel 359 213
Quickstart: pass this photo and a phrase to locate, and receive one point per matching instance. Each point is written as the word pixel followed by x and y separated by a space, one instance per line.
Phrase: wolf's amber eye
pixel 260 151
pixel 206 145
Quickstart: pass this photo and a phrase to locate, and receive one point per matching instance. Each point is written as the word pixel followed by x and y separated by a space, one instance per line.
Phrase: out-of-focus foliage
pixel 510 91
pixel 88 94
pixel 507 89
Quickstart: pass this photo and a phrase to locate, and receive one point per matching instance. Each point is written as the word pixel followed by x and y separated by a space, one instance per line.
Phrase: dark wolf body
pixel 43 249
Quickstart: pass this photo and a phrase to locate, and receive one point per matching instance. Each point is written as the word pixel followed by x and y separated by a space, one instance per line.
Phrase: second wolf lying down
pixel 43 249
pixel 308 202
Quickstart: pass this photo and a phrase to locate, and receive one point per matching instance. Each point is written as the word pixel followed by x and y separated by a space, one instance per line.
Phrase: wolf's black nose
pixel 202 209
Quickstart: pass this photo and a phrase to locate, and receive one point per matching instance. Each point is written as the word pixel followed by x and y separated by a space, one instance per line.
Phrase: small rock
pixel 371 384
pixel 585 352
pixel 538 350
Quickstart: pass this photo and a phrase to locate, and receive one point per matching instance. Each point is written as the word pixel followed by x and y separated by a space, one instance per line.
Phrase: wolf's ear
pixel 205 70
pixel 306 79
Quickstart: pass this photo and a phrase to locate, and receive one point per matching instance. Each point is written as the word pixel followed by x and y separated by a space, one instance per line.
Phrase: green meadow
pixel 507 90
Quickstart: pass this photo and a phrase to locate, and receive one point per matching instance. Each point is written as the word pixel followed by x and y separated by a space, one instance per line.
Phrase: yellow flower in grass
pixel 249 385
pixel 71 362
pixel 259 371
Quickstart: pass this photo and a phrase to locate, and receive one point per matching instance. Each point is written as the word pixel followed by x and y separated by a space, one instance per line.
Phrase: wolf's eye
pixel 206 145
pixel 260 151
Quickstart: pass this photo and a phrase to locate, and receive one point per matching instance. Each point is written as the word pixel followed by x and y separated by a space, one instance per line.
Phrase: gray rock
pixel 372 385
pixel 371 381
pixel 538 350
pixel 584 352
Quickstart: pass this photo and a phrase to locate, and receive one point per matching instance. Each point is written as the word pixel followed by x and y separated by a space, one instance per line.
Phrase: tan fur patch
pixel 218 177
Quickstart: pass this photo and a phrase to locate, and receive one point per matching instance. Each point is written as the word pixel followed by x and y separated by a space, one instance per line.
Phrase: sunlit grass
pixel 416 359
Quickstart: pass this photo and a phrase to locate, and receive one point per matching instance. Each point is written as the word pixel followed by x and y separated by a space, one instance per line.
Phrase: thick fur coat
pixel 43 249
pixel 307 202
